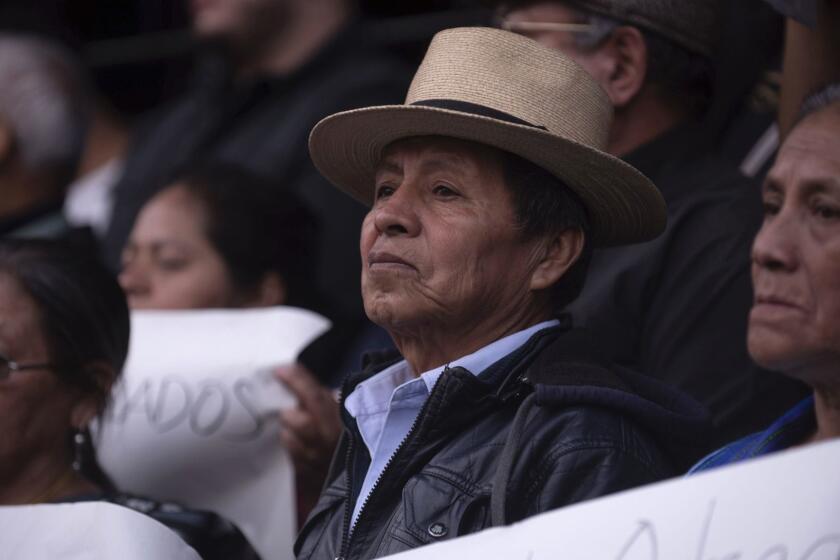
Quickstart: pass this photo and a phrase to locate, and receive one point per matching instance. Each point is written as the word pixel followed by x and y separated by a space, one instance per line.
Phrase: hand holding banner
pixel 194 419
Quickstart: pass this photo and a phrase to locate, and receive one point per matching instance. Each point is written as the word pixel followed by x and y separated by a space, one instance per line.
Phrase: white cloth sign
pixel 194 419
pixel 86 531
pixel 782 507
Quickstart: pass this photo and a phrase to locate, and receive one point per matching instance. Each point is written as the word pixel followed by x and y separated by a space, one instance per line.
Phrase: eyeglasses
pixel 7 366
pixel 519 26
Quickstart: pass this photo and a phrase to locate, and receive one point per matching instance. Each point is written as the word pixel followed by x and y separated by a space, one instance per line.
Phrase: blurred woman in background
pixel 221 237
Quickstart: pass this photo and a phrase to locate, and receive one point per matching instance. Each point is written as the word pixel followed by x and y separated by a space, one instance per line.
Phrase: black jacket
pixel 547 426
pixel 676 308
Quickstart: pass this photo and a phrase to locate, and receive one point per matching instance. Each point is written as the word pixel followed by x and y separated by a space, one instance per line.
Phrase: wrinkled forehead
pixel 811 153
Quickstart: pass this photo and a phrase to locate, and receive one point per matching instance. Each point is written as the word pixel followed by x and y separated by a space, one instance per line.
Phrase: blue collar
pixel 789 430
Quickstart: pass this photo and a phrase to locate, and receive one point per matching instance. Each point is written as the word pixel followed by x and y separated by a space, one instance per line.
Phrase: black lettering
pixel 704 533
pixel 217 417
pixel 243 391
pixel 778 552
pixel 826 541
pixel 157 419
pixel 125 401
pixel 645 529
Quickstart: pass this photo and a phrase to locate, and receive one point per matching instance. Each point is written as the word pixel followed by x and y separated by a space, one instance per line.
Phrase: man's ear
pixel 561 252
pixel 91 402
pixel 628 54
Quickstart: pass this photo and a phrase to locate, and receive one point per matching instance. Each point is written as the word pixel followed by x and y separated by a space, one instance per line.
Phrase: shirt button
pixel 438 530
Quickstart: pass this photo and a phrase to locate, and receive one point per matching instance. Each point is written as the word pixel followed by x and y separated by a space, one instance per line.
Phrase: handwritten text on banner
pixel 783 507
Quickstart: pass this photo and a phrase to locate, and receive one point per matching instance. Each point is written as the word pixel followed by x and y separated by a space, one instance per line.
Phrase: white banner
pixel 783 507
pixel 194 419
pixel 86 531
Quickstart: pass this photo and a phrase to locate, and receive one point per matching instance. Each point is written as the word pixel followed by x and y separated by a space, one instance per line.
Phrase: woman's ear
pixel 270 292
pixel 628 54
pixel 560 253
pixel 91 402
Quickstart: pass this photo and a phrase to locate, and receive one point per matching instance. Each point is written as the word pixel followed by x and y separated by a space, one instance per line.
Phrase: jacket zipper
pixel 346 538
pixel 346 535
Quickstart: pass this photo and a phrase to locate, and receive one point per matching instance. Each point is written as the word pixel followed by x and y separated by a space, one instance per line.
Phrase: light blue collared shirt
pixel 386 405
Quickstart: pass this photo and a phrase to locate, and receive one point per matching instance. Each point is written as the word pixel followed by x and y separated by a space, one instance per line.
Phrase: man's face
pixel 440 247
pixel 795 322
pixel 561 40
pixel 237 22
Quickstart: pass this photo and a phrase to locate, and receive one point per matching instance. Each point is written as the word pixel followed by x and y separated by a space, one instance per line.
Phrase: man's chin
pixel 388 311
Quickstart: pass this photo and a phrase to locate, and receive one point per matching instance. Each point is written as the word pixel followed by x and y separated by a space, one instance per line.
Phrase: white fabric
pixel 90 198
pixel 86 531
pixel 386 405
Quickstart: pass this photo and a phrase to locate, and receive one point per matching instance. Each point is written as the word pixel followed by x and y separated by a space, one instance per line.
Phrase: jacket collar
pixel 499 373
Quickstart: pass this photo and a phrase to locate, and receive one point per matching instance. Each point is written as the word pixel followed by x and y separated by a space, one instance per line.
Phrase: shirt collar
pixel 375 395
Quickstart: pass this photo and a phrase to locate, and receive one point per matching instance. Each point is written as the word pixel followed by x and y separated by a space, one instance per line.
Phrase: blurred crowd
pixel 199 191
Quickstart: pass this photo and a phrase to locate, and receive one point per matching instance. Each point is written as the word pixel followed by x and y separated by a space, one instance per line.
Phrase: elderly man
pixel 674 308
pixel 794 324
pixel 488 188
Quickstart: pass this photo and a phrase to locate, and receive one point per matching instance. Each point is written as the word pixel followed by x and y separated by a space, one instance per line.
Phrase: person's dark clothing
pixel 46 222
pixel 791 429
pixel 677 307
pixel 213 537
pixel 263 125
pixel 546 426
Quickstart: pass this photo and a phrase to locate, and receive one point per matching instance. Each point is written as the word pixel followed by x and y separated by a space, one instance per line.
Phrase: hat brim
pixel 623 205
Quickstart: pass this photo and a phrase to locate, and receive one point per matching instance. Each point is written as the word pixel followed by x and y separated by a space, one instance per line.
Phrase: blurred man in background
pixel 43 118
pixel 272 68
pixel 675 307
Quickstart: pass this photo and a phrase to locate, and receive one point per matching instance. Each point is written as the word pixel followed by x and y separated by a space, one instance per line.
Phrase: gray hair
pixel 601 28
pixel 44 99
pixel 818 100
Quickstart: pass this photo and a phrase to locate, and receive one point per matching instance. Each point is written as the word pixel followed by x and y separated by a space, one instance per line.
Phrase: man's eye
pixel 827 212
pixel 443 190
pixel 384 191
pixel 770 208
pixel 171 264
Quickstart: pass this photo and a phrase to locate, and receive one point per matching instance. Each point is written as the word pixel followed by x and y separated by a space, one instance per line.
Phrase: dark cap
pixel 689 23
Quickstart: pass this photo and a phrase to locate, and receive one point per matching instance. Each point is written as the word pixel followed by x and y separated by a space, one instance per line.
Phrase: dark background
pixel 139 52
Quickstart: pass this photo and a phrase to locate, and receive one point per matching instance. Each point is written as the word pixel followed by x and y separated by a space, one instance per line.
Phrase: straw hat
pixel 507 91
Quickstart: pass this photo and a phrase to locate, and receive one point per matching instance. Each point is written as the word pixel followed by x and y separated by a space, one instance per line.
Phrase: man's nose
pixel 397 214
pixel 775 245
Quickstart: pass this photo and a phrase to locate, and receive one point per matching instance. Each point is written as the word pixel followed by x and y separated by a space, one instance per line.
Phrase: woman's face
pixel 795 322
pixel 169 263
pixel 37 407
